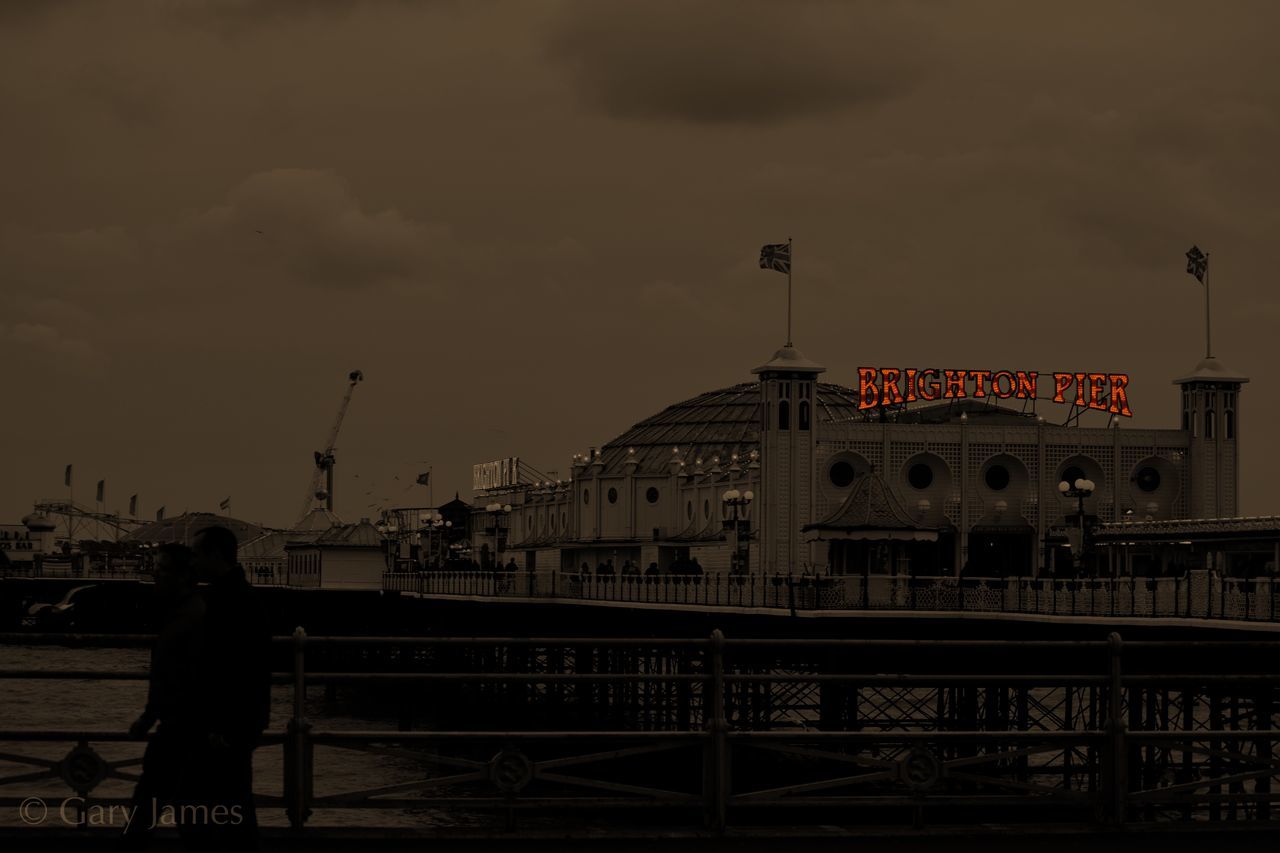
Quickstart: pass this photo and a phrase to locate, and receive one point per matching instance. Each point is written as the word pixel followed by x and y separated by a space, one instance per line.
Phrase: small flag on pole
pixel 225 505
pixel 776 256
pixel 102 490
pixel 424 479
pixel 160 514
pixel 133 506
pixel 67 477
pixel 1197 263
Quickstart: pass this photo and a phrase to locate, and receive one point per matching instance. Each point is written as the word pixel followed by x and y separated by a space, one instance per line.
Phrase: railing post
pixel 298 763
pixel 1117 782
pixel 716 769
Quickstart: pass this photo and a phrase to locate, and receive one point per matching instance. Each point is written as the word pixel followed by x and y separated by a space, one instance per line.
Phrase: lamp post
pixel 1079 490
pixel 499 512
pixel 1128 516
pixel 737 502
pixel 384 530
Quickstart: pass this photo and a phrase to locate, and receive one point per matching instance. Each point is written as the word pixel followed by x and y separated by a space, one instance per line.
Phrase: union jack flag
pixel 776 256
pixel 1197 263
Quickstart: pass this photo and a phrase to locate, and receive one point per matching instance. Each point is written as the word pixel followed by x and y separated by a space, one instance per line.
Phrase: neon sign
pixel 887 386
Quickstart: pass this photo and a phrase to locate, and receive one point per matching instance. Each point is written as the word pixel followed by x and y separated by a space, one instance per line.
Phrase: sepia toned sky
pixel 534 223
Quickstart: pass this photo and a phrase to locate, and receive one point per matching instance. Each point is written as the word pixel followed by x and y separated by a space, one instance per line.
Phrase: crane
pixel 324 458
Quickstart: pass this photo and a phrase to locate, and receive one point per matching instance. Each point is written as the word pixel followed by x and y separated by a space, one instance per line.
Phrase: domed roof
pixel 716 423
pixel 1212 370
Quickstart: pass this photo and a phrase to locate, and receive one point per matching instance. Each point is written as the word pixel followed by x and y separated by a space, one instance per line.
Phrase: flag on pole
pixel 160 514
pixel 67 477
pixel 1197 263
pixel 102 490
pixel 424 479
pixel 776 256
pixel 226 504
pixel 133 506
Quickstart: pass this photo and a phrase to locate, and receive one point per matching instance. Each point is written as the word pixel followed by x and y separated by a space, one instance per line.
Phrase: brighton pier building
pixel 786 474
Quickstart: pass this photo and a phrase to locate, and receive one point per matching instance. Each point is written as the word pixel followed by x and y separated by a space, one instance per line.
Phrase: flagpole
pixel 790 263
pixel 1208 341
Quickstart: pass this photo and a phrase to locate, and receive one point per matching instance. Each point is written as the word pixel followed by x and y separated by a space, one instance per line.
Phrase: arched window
pixel 1194 424
pixel 784 415
pixel 804 415
pixel 1208 423
pixel 1231 424
pixel 1186 417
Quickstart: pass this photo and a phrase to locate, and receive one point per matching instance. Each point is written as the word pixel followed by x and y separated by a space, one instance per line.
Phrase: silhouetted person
pixel 237 691
pixel 173 695
pixel 651 572
pixel 512 568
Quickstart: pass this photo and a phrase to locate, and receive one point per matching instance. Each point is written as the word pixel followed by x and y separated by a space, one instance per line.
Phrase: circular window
pixel 586 496
pixel 841 474
pixel 920 476
pixel 997 478
pixel 651 495
pixel 1148 479
pixel 706 509
pixel 613 496
pixel 1072 474
pixel 688 510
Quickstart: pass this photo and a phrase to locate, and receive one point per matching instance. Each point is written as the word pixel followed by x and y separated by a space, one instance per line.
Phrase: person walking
pixel 236 690
pixel 173 697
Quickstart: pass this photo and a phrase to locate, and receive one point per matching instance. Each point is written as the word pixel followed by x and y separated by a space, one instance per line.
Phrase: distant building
pixel 346 556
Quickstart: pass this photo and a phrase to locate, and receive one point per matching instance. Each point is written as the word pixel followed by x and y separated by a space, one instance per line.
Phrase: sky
pixel 532 224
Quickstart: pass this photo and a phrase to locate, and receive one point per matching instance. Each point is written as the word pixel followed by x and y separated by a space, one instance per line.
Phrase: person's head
pixel 174 570
pixel 215 552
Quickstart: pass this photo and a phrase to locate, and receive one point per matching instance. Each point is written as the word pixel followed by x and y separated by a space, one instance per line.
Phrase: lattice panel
pixel 900 452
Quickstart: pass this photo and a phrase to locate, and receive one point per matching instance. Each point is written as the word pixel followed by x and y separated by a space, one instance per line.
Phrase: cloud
pixel 37 343
pixel 733 61
pixel 308 223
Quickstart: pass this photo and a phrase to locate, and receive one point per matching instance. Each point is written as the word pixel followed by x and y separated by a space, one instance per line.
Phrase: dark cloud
pixel 736 61
pixel 994 181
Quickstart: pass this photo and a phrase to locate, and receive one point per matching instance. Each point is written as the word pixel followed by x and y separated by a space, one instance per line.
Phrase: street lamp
pixel 1080 489
pixel 737 502
pixel 499 511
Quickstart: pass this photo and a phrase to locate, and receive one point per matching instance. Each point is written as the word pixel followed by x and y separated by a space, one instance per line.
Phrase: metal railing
pixel 1196 595
pixel 723 732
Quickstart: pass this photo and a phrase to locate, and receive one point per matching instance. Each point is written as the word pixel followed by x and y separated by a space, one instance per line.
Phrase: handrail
pixel 1102 764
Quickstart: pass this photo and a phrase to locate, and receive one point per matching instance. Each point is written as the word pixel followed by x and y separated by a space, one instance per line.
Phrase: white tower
pixel 1210 416
pixel 788 412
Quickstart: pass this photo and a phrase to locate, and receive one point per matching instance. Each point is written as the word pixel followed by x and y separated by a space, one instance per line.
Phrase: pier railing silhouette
pixel 1196 595
pixel 718 733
